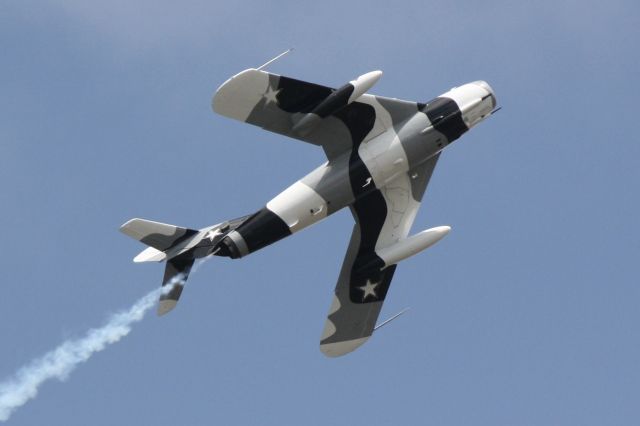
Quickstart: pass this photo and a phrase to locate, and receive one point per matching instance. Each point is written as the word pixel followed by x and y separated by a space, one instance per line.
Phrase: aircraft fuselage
pixel 383 156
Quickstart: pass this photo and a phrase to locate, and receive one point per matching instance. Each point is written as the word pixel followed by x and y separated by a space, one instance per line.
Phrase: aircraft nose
pixel 488 88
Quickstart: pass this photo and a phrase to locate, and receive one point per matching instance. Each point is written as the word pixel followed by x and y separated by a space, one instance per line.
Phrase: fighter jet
pixel 381 153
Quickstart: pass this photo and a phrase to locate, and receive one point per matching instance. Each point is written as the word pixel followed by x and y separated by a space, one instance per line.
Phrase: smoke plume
pixel 61 361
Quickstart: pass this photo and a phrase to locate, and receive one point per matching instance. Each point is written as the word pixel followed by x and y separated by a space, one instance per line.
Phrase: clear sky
pixel 526 314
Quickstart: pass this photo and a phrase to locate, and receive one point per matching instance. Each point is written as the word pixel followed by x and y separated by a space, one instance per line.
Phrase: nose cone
pixel 488 88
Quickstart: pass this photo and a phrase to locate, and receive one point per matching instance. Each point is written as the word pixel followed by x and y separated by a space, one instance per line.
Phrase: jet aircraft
pixel 381 153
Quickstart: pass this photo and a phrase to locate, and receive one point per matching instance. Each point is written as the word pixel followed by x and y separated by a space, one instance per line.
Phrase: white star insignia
pixel 271 96
pixel 369 289
pixel 211 234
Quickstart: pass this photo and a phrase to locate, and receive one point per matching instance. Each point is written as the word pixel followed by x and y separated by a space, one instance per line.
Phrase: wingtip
pixel 124 226
pixel 165 306
pixel 336 349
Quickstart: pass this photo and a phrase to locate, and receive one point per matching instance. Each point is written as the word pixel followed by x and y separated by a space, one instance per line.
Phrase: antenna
pixel 390 319
pixel 275 59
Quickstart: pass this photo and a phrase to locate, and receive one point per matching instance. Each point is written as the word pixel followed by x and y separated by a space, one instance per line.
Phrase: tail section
pixel 161 237
pixel 179 247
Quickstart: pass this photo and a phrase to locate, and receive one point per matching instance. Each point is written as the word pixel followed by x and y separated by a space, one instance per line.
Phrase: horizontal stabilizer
pixel 160 236
pixel 150 254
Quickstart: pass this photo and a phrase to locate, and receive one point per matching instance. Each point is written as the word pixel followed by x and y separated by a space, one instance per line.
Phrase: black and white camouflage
pixel 381 154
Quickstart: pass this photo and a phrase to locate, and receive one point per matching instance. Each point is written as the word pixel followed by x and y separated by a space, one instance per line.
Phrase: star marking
pixel 369 289
pixel 271 96
pixel 211 234
pixel 367 182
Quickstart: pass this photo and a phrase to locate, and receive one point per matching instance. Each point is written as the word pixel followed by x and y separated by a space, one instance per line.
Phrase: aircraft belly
pixel 385 158
pixel 299 206
pixel 331 182
pixel 419 140
pixel 309 200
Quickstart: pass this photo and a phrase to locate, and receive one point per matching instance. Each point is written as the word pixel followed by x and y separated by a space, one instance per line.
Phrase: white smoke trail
pixel 61 361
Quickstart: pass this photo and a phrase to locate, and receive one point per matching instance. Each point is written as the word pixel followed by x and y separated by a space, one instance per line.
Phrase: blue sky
pixel 525 314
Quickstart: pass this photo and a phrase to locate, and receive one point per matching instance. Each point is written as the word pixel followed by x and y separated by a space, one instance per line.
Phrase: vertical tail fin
pixel 175 274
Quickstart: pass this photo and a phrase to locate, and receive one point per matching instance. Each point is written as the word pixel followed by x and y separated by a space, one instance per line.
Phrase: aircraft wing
pixel 276 103
pixel 382 218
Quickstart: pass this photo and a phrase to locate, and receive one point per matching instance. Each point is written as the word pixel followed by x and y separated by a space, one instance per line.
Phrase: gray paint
pixel 331 182
pixel 398 109
pixel 420 176
pixel 417 146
